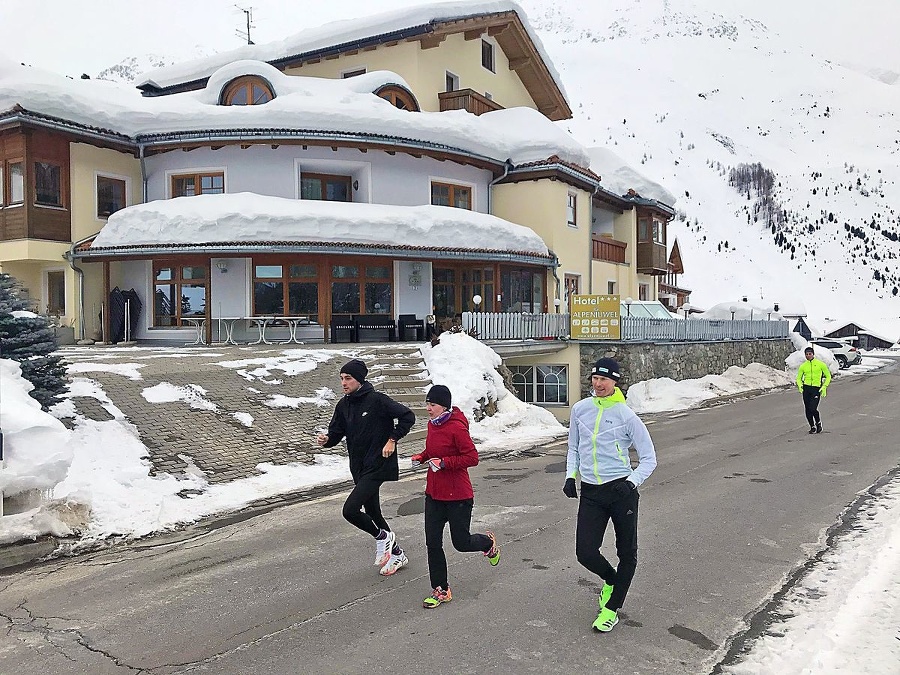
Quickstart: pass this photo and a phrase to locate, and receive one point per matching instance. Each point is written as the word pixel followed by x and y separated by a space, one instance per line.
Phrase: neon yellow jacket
pixel 813 373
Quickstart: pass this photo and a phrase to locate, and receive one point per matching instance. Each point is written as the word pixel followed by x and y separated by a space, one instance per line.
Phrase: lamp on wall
pixel 222 266
pixel 415 278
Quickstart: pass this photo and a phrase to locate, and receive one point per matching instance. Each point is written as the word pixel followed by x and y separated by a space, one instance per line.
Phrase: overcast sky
pixel 72 37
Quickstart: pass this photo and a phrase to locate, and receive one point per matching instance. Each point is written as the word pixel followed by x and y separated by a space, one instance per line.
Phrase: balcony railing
pixel 467 99
pixel 608 250
pixel 651 258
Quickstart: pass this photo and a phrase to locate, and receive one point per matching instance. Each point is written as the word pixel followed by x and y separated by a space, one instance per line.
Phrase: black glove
pixel 624 489
pixel 569 488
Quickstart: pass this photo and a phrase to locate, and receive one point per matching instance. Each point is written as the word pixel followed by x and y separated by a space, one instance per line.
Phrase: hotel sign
pixel 595 317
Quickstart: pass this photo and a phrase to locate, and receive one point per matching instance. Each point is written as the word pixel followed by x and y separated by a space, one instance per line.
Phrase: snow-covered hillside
pixel 689 90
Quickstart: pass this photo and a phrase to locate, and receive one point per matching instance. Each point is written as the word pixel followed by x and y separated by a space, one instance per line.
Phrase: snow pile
pixel 664 394
pixel 469 368
pixel 618 177
pixel 248 217
pixel 36 444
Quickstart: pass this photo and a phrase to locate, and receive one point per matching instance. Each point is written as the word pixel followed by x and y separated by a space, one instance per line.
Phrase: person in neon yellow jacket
pixel 813 379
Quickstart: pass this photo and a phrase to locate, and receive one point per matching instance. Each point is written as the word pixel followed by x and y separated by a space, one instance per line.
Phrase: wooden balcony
pixel 467 99
pixel 608 249
pixel 651 258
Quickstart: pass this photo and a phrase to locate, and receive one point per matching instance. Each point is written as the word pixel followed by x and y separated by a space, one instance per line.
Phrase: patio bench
pixel 343 322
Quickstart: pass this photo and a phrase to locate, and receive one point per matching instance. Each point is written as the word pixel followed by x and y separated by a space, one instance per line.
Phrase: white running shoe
pixel 394 564
pixel 383 549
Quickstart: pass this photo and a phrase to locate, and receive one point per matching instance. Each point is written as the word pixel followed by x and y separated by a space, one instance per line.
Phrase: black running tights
pixel 459 515
pixel 364 497
pixel 598 505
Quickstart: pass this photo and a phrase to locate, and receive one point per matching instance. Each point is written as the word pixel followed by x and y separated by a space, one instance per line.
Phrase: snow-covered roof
pixel 345 32
pixel 618 177
pixel 330 108
pixel 208 221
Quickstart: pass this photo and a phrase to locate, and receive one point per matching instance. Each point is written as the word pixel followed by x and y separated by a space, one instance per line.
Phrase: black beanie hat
pixel 607 368
pixel 355 369
pixel 440 395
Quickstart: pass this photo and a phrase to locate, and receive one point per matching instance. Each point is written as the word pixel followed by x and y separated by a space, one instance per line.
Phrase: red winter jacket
pixel 452 443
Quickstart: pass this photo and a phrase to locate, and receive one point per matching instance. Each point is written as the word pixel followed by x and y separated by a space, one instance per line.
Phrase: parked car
pixel 844 353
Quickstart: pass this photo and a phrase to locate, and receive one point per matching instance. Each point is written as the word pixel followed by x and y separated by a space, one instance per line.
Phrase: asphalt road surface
pixel 741 498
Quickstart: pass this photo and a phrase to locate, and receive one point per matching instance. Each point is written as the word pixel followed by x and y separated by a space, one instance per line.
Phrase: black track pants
pixel 598 505
pixel 364 497
pixel 811 397
pixel 459 515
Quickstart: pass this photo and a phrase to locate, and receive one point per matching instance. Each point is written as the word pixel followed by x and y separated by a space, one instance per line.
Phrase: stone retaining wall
pixel 681 360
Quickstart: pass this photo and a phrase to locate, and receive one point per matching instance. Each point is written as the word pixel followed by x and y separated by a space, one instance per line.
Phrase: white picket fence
pixel 514 326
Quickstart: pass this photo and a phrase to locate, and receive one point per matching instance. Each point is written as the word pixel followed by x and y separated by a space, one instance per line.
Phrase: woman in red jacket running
pixel 449 452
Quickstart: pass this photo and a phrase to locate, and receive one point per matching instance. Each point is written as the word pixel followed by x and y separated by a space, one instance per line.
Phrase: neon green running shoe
pixel 606 620
pixel 437 598
pixel 605 594
pixel 493 555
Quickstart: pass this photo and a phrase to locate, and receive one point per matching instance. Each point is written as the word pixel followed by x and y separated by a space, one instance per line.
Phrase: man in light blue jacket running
pixel 601 431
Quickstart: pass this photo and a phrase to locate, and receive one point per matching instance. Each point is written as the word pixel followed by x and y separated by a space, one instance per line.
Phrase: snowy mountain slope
pixel 687 90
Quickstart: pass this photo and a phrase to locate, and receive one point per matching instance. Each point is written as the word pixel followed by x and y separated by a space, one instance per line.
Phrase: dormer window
pixel 249 90
pixel 400 97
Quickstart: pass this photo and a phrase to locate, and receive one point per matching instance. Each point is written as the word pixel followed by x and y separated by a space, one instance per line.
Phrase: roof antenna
pixel 245 34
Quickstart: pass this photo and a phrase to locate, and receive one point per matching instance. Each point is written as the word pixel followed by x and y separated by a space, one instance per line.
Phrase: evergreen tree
pixel 30 341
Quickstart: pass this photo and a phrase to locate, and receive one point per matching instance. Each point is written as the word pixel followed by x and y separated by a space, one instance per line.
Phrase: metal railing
pixel 516 326
pixel 700 330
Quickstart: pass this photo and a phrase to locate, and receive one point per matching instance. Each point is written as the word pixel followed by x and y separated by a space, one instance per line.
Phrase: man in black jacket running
pixel 365 417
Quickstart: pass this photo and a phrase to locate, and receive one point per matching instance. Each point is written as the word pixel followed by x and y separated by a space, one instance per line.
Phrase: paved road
pixel 742 495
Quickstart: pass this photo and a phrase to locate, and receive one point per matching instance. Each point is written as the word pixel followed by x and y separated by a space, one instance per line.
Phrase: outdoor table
pixel 261 323
pixel 198 323
pixel 227 323
pixel 293 322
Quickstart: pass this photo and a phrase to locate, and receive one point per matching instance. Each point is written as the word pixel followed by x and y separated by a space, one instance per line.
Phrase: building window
pixel 487 55
pixel 16 178
pixel 573 287
pixel 398 97
pixel 541 384
pixel 47 184
pixel 611 288
pixel 355 286
pixel 188 185
pixel 56 293
pixel 353 73
pixel 451 82
pixel 643 291
pixel 247 91
pixel 443 296
pixel 179 291
pixel 325 187
pixel 110 196
pixel 522 290
pixel 447 194
pixel 651 230
pixel 295 287
pixel 572 209
pixel 378 289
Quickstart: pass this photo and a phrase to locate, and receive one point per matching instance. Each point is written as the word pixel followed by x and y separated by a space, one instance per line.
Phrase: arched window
pixel 248 90
pixel 399 96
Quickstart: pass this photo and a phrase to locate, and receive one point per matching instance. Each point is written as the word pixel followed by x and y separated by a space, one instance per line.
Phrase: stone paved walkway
pixel 180 437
